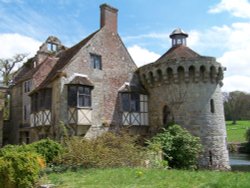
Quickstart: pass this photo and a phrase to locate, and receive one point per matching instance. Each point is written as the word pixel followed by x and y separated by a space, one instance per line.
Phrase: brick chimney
pixel 109 17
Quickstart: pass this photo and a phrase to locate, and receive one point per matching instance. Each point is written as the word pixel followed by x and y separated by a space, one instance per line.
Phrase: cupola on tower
pixel 178 37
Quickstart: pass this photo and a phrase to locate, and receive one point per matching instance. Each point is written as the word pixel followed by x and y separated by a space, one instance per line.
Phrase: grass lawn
pixel 149 178
pixel 236 133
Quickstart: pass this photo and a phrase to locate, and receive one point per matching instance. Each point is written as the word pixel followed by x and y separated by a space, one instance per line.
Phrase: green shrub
pixel 48 148
pixel 19 169
pixel 107 150
pixel 180 148
pixel 9 148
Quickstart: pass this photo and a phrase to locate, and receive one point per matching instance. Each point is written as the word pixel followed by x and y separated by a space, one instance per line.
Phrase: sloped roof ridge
pixel 64 59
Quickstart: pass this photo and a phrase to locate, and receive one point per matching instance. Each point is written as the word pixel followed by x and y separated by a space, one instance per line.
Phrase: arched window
pixel 170 74
pixel 151 77
pixel 159 75
pixel 212 106
pixel 202 72
pixel 191 73
pixel 181 73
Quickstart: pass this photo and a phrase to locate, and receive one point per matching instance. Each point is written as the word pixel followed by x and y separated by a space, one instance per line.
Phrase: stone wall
pixel 193 99
pixel 117 68
pixel 16 113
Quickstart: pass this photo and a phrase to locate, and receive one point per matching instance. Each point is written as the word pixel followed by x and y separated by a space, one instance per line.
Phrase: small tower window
pixel 52 47
pixel 212 106
pixel 210 158
pixel 96 61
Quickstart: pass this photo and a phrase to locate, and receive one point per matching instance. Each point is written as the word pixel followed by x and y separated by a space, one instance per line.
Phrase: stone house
pixel 95 86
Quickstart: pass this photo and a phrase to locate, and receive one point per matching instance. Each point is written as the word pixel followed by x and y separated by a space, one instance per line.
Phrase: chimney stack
pixel 109 17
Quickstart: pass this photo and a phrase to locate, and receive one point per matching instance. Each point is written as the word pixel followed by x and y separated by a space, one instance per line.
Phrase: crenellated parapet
pixel 202 69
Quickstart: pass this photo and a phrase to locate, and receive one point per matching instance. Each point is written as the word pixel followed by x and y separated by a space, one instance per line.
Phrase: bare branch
pixel 7 66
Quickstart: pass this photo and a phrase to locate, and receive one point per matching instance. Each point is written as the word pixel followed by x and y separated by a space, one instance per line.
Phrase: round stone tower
pixel 184 87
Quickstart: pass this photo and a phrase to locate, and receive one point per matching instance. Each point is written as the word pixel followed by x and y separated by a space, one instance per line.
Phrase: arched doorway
pixel 166 115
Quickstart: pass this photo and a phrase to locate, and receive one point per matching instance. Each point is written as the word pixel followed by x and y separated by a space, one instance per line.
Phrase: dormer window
pixel 52 47
pixel 96 61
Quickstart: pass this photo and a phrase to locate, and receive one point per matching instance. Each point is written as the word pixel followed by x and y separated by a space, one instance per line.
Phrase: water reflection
pixel 239 162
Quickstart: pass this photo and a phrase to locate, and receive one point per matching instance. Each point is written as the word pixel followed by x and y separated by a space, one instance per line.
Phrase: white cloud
pixel 161 36
pixel 193 38
pixel 239 8
pixel 14 43
pixel 142 56
pixel 236 61
pixel 236 83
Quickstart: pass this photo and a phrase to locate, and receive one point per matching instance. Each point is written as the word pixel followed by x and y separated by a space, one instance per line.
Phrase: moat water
pixel 239 162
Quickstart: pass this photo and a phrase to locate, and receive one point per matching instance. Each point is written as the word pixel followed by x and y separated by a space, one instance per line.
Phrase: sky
pixel 218 28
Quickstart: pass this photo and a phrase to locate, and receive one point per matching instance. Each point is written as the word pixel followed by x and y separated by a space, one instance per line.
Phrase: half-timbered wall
pixel 137 118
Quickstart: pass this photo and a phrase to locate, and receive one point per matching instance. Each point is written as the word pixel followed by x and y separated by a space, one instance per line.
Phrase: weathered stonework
pixel 189 87
pixel 181 86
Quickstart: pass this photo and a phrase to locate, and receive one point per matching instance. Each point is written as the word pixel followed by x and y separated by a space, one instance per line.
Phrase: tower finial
pixel 178 37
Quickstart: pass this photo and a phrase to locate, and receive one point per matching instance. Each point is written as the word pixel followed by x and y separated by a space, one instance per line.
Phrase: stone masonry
pixel 109 91
pixel 184 87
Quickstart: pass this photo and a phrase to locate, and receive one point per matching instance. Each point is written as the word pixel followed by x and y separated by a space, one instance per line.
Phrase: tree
pixel 237 105
pixel 7 66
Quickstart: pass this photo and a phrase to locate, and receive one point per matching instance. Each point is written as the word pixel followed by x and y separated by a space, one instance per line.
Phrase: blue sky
pixel 217 28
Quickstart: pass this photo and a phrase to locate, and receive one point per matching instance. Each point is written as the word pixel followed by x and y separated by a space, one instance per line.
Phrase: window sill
pixel 81 107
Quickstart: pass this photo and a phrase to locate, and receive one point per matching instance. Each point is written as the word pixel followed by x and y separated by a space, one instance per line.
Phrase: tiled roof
pixel 82 81
pixel 177 53
pixel 21 73
pixel 28 74
pixel 64 59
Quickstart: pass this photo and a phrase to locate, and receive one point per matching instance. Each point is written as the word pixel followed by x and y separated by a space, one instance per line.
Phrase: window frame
pixel 74 99
pixel 34 103
pixel 96 61
pixel 25 113
pixel 41 100
pixel 133 102
pixel 52 47
pixel 27 86
pixel 212 106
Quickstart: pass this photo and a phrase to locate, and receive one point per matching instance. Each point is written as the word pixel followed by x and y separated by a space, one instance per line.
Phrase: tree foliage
pixel 237 106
